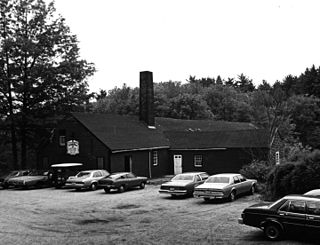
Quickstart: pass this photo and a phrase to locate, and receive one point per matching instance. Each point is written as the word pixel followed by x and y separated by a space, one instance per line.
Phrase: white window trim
pixel 277 157
pixel 198 160
pixel 155 158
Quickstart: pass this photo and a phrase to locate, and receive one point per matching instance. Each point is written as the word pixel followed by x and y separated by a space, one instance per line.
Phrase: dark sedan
pixel 183 184
pixel 33 179
pixel 122 181
pixel 4 179
pixel 291 213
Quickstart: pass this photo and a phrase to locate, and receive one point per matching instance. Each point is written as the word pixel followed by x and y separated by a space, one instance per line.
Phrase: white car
pixel 87 179
pixel 225 186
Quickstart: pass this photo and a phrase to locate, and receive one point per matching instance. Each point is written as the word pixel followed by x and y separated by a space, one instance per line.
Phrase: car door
pixel 132 180
pixel 313 216
pixel 292 214
pixel 237 185
pixel 245 185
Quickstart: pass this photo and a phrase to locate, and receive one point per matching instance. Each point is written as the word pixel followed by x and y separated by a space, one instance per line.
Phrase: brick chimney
pixel 146 112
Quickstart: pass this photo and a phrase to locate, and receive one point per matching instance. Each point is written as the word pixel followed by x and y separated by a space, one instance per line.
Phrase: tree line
pixel 42 77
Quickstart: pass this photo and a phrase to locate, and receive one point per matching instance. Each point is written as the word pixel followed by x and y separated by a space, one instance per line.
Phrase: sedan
pixel 315 193
pixel 16 173
pixel 122 181
pixel 35 178
pixel 225 186
pixel 296 213
pixel 87 179
pixel 183 184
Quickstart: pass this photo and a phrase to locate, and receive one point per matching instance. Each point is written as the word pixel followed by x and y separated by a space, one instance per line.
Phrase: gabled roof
pixel 127 133
pixel 257 138
pixel 170 124
pixel 121 133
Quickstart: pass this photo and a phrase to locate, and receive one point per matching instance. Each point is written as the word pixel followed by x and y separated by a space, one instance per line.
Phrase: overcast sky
pixel 264 39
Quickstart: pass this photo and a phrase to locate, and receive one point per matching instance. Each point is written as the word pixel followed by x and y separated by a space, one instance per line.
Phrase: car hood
pixel 78 178
pixel 261 205
pixel 212 186
pixel 177 183
pixel 28 178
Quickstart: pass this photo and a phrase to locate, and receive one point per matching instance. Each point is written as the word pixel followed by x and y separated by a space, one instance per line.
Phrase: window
pixel 294 207
pixel 236 180
pixel 314 208
pixel 62 137
pixel 97 174
pixel 198 160
pixel 197 178
pixel 277 157
pixel 155 158
pixel 204 176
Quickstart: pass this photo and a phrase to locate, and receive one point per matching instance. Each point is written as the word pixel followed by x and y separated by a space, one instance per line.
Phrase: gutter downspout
pixel 149 162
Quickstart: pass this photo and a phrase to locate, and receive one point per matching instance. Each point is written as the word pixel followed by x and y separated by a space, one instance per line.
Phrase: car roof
pixel 65 165
pixel 302 197
pixel 226 175
pixel 194 173
pixel 93 170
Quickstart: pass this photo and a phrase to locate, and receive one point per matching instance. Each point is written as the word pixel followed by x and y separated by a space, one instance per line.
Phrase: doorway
pixel 128 163
pixel 177 160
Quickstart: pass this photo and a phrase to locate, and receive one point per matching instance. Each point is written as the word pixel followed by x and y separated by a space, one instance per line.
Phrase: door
pixel 313 216
pixel 293 215
pixel 128 163
pixel 177 160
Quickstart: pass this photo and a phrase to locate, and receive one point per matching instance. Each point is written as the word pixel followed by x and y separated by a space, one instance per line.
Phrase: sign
pixel 73 147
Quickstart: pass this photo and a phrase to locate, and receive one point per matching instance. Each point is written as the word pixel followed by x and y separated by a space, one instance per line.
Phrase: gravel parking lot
pixel 64 216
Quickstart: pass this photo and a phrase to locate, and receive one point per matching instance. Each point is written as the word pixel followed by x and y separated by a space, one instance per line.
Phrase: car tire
pixel 5 186
pixel 272 231
pixel 232 196
pixel 253 189
pixel 121 189
pixel 142 185
pixel 93 186
pixel 106 190
pixel 206 199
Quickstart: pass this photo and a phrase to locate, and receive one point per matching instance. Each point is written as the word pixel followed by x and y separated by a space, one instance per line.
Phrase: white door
pixel 177 159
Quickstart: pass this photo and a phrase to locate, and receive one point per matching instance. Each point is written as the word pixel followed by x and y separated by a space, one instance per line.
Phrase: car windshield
pixel 217 179
pixel 183 177
pixel 83 173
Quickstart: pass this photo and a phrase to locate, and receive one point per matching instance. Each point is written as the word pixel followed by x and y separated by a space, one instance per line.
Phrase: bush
pixel 295 177
pixel 258 170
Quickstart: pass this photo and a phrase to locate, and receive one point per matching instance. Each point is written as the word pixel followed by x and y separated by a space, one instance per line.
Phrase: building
pixel 154 147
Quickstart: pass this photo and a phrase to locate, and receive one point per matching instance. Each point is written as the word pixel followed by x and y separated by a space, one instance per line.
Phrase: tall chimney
pixel 146 112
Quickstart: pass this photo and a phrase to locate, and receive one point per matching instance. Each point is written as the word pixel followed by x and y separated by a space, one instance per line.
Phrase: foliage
pixel 257 170
pixel 295 177
pixel 41 73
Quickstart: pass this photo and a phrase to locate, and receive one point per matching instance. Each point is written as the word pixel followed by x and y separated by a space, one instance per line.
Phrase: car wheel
pixel 253 189
pixel 5 186
pixel 142 185
pixel 232 196
pixel 106 190
pixel 93 186
pixel 206 199
pixel 121 189
pixel 272 231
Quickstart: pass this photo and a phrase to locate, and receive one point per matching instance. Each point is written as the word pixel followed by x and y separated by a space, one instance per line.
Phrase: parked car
pixel 35 178
pixel 315 192
pixel 59 173
pixel 291 213
pixel 16 173
pixel 225 186
pixel 87 179
pixel 122 181
pixel 183 184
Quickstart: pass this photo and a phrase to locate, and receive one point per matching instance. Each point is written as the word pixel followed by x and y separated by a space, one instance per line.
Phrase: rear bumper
pixel 218 195
pixel 174 192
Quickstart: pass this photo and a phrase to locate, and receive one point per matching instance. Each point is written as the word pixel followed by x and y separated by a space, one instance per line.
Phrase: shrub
pixel 256 170
pixel 294 177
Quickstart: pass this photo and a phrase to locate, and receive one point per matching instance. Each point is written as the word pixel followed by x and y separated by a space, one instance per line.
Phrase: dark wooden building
pixel 155 147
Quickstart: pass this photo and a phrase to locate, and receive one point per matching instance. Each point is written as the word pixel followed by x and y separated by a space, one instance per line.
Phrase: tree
pixel 41 72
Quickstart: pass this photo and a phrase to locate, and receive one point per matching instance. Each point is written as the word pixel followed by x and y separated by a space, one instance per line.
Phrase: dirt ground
pixel 64 216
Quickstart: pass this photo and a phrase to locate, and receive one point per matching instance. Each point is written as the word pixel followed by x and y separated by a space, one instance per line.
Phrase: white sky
pixel 264 39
